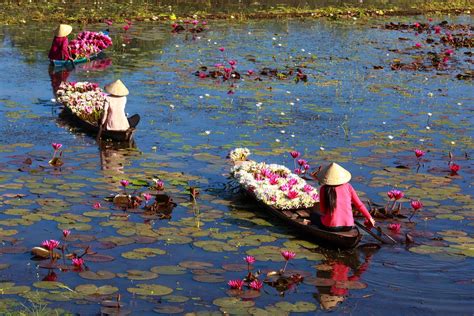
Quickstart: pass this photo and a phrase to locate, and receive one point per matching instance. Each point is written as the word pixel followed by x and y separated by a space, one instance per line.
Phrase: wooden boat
pixel 66 63
pixel 299 220
pixel 120 136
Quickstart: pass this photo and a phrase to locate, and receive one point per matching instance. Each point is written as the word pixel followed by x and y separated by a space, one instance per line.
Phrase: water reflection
pixel 57 76
pixel 340 272
pixel 115 156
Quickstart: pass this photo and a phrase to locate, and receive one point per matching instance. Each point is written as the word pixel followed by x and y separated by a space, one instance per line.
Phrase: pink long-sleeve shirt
pixel 114 114
pixel 59 49
pixel 342 214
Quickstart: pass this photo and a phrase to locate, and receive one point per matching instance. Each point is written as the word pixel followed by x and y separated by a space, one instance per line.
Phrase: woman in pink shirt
pixel 114 117
pixel 60 46
pixel 336 197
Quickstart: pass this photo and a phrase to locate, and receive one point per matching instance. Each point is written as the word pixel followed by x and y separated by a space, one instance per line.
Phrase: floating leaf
pixel 195 264
pixel 99 275
pixel 91 289
pixel 169 270
pixel 169 309
pixel 150 289
pixel 138 275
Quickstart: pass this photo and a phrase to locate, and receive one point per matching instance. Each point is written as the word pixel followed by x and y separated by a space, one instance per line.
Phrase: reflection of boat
pixel 93 129
pixel 298 219
pixel 115 156
pixel 65 63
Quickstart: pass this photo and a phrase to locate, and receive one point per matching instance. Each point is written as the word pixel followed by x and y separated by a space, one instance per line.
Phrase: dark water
pixel 368 120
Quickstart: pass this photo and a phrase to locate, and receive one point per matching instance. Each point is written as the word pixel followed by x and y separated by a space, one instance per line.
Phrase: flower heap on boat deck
pixel 275 185
pixel 84 99
pixel 89 43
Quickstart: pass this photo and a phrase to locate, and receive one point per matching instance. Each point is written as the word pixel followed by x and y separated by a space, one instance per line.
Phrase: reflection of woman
pixel 113 158
pixel 336 197
pixel 57 77
pixel 60 46
pixel 340 272
pixel 114 118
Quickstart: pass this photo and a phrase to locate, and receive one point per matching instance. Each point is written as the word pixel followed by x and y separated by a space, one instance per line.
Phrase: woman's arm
pixel 104 115
pixel 359 205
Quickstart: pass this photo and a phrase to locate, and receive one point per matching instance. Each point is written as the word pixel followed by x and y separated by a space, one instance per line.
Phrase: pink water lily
pixel 97 205
pixel 295 154
pixel 454 168
pixel 285 187
pixel 236 284
pixel 437 29
pixel 124 183
pixel 308 188
pixel 56 146
pixel 419 153
pixel 302 162
pixel 50 244
pixel 159 185
pixel 395 194
pixel 222 49
pixel 292 194
pixel 256 285
pixel 66 233
pixel 416 205
pixel 77 262
pixel 288 255
pixel 250 72
pixel 249 259
pixel 418 45
pixel 292 181
pixel 273 180
pixel 147 196
pixel 395 227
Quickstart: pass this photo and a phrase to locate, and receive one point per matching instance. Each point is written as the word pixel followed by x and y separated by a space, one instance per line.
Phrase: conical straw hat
pixel 63 30
pixel 117 88
pixel 334 175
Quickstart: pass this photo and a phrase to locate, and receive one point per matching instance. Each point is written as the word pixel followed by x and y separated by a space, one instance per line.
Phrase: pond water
pixel 369 120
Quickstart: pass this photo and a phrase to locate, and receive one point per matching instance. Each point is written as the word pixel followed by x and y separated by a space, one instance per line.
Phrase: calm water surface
pixel 369 120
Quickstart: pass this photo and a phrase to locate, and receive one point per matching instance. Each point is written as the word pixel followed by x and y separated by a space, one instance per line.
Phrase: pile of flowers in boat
pixel 272 184
pixel 88 44
pixel 85 99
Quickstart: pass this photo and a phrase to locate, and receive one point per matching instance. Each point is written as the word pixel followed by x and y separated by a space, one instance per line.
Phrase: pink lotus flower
pixel 449 52
pixel 250 72
pixel 295 154
pixel 285 187
pixel 124 183
pixel 66 233
pixel 232 62
pixel 126 27
pixel 297 171
pixel 202 75
pixel 418 45
pixel 221 49
pixel 256 285
pixel 437 29
pixel 236 284
pixel 159 185
pixel 273 198
pixel 419 153
pixel 274 179
pixel 97 205
pixel 306 166
pixel 292 181
pixel 195 22
pixel 50 244
pixel 416 24
pixel 308 188
pixel 394 227
pixel 56 146
pixel 218 65
pixel 302 162
pixel 454 168
pixel 258 177
pixel 147 196
pixel 77 262
pixel 204 23
pixel 315 196
pixel 249 259
pixel 416 204
pixel 395 194
pixel 288 255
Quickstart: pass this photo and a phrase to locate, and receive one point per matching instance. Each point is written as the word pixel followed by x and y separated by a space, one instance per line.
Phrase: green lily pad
pixel 175 298
pixel 168 270
pixel 150 290
pixel 214 245
pixel 49 285
pixel 99 275
pixel 169 309
pixel 298 307
pixel 91 289
pixel 209 278
pixel 143 253
pixel 195 264
pixel 10 288
pixel 138 275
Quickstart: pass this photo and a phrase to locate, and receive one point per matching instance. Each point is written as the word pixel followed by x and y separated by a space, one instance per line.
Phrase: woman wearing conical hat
pixel 336 197
pixel 60 46
pixel 114 117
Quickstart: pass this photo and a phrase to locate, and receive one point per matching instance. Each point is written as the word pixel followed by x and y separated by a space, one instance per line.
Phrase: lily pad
pixel 91 289
pixel 195 264
pixel 150 290
pixel 209 278
pixel 99 275
pixel 168 270
pixel 138 275
pixel 298 307
pixel 169 309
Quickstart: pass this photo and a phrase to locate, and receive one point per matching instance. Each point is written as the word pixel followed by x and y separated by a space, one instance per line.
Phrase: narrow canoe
pixel 295 219
pixel 93 129
pixel 65 63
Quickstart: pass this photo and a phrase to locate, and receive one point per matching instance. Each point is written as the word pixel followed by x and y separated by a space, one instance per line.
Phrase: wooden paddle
pixel 379 229
pixel 368 231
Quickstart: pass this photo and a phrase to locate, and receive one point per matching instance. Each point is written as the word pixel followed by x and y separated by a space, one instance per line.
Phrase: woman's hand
pixel 369 223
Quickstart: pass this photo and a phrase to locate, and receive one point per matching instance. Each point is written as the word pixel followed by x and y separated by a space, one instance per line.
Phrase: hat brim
pixel 63 30
pixel 334 175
